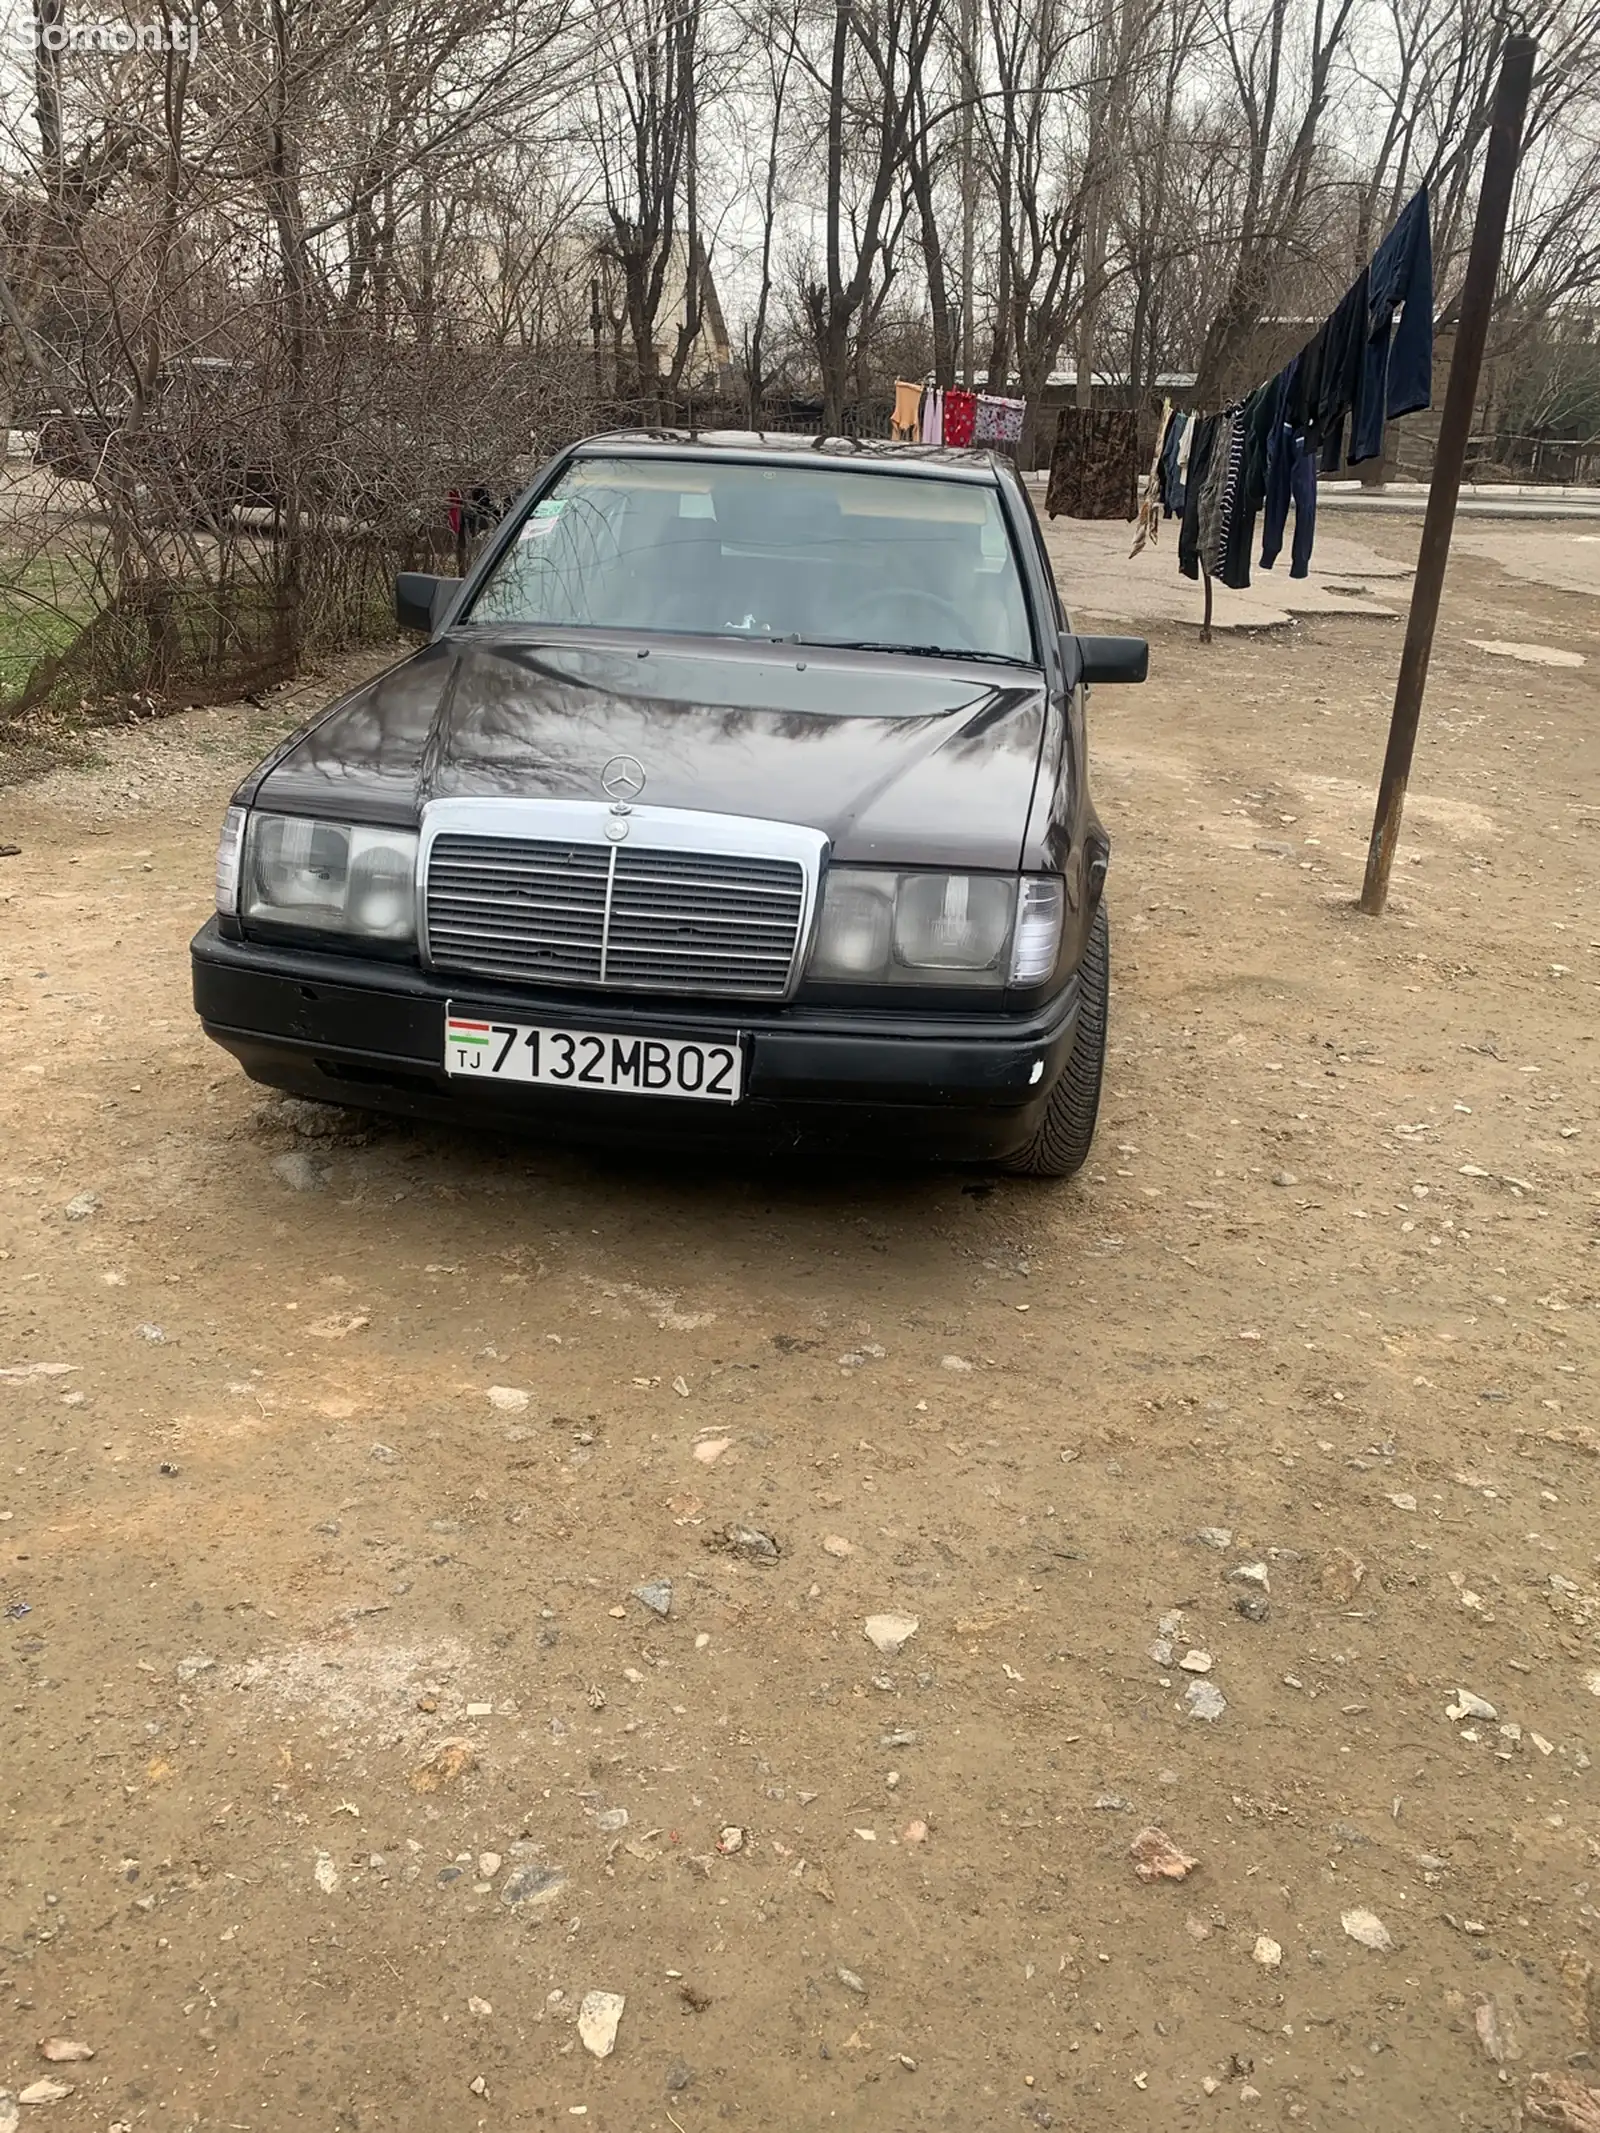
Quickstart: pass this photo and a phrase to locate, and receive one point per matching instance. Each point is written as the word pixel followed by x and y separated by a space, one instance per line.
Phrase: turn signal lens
pixel 1038 936
pixel 228 850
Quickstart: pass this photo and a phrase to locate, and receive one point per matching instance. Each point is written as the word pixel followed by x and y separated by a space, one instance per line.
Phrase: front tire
pixel 1061 1143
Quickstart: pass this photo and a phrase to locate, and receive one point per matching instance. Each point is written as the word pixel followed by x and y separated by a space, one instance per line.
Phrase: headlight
pixel 333 877
pixel 881 928
pixel 951 922
pixel 856 927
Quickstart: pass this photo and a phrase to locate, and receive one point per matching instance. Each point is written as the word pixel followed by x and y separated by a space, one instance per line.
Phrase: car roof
pixel 782 447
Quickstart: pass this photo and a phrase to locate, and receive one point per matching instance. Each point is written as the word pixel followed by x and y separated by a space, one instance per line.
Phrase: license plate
pixel 593 1059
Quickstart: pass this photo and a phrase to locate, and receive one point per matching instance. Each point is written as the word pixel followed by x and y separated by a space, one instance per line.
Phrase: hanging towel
pixel 1094 466
pixel 1397 367
pixel 933 416
pixel 906 419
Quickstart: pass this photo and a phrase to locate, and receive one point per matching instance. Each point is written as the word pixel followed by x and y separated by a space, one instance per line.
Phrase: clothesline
pixel 1368 363
pixel 933 414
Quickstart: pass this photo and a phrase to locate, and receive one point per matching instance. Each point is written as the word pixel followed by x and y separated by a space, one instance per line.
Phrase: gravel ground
pixel 342 1760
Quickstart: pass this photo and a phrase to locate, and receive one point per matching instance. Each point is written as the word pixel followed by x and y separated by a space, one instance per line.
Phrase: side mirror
pixel 420 599
pixel 1092 659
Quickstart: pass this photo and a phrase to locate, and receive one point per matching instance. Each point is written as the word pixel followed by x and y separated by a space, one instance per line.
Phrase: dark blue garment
pixel 1344 347
pixel 1291 479
pixel 1397 369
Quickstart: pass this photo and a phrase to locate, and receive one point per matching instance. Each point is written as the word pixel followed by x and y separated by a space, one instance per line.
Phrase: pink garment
pixel 933 417
pixel 960 417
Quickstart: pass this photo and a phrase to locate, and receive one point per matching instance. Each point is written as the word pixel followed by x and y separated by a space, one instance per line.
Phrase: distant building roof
pixel 1115 380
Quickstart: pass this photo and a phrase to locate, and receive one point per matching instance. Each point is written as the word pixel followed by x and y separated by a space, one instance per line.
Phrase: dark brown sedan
pixel 740 791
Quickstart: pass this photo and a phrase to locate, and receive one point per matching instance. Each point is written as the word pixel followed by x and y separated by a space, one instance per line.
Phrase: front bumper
pixel 342 1029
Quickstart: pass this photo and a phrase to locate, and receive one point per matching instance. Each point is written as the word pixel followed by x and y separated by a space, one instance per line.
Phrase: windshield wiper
pixel 915 651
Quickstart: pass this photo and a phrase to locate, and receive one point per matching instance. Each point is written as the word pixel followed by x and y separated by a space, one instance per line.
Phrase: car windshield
pixel 814 555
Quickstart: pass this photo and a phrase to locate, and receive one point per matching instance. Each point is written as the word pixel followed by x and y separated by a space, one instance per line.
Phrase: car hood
pixel 899 761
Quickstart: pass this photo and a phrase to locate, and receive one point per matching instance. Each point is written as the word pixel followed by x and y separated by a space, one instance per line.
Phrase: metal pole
pixel 1455 427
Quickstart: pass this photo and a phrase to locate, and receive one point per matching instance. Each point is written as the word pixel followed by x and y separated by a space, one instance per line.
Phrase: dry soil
pixel 339 1761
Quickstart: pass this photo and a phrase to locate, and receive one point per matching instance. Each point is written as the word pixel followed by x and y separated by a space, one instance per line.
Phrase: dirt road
pixel 340 1761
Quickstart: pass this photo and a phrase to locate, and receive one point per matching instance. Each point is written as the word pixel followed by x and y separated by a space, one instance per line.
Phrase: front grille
pixel 540 911
pixel 519 908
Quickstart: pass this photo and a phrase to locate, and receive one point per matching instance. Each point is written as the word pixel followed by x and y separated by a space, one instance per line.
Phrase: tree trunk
pixel 286 209
pixel 939 311
pixel 833 342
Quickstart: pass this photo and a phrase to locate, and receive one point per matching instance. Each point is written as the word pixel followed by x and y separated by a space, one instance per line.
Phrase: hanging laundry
pixel 1261 412
pixel 933 416
pixel 906 421
pixel 1397 367
pixel 1178 428
pixel 1094 466
pixel 960 417
pixel 1202 439
pixel 1370 360
pixel 1230 496
pixel 1185 447
pixel 1291 479
pixel 1219 472
pixel 1343 355
pixel 1150 512
pixel 999 420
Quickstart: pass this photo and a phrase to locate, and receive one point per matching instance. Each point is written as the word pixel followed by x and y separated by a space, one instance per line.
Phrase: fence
pixel 208 547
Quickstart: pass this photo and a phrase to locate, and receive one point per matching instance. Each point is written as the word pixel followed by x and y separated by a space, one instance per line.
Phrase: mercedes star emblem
pixel 623 777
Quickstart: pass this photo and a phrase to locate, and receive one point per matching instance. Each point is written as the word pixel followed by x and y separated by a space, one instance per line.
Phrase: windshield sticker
pixel 545 515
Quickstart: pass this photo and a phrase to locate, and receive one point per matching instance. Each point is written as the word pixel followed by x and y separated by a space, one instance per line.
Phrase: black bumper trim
pixel 370 1032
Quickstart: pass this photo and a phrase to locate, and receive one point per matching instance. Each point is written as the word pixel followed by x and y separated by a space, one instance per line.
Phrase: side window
pixel 1044 556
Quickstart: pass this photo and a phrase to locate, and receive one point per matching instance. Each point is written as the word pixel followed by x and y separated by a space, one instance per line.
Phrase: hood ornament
pixel 623 780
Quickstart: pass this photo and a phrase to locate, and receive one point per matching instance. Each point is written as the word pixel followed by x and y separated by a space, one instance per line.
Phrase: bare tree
pixel 644 137
pixel 1119 34
pixel 868 80
pixel 1047 180
pixel 777 30
pixel 928 151
pixel 1280 105
pixel 268 312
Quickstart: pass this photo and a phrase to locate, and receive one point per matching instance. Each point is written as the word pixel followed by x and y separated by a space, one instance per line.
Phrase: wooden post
pixel 1455 426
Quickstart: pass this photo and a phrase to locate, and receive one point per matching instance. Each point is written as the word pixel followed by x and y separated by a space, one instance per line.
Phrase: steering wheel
pixel 900 597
